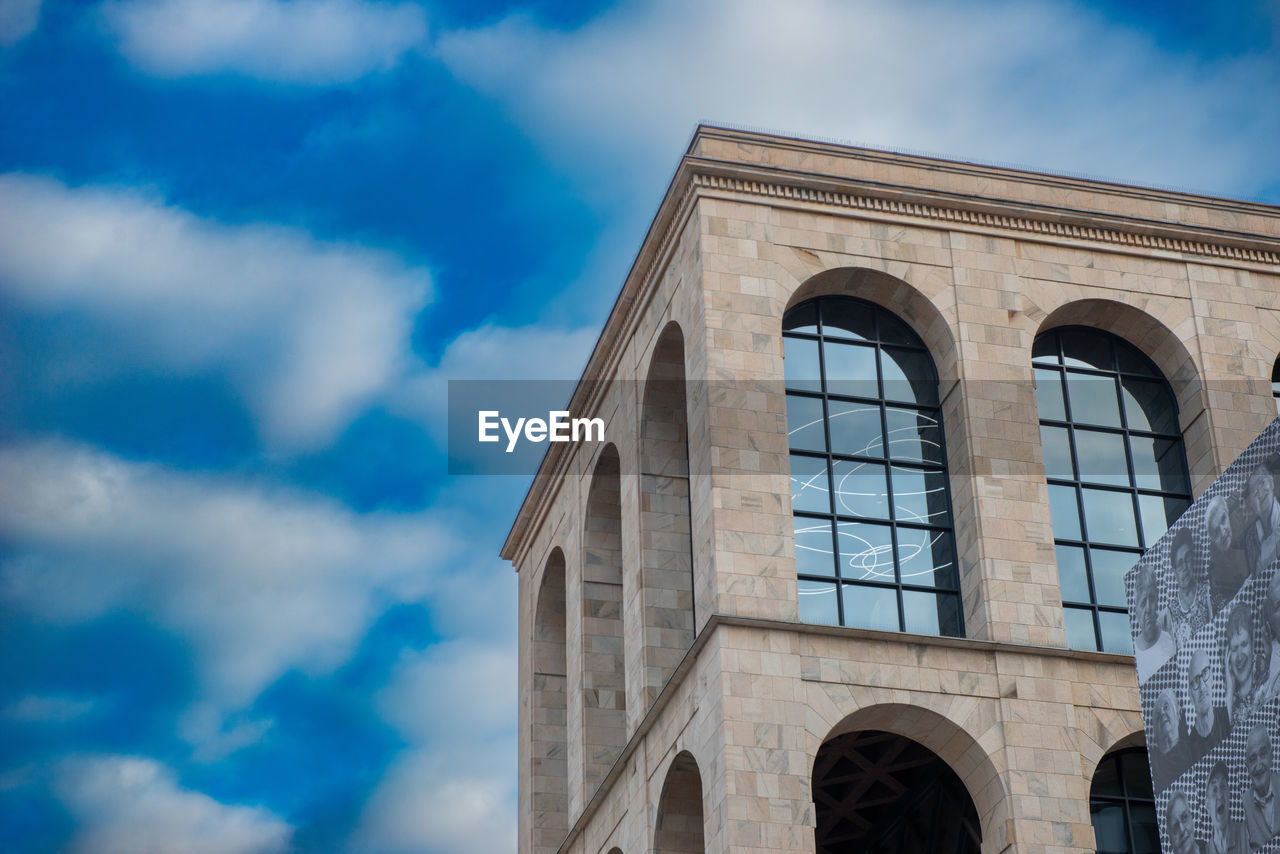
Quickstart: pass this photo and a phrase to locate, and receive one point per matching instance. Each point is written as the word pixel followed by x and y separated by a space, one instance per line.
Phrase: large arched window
pixel 874 544
pixel 1116 469
pixel 1122 804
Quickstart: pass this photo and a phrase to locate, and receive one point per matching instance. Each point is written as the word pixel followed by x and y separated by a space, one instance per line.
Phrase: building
pixel 712 602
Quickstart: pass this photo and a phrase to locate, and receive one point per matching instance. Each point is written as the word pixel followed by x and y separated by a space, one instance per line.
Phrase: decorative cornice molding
pixel 1054 228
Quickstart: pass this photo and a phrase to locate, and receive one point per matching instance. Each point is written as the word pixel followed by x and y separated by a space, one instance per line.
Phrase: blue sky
pixel 245 243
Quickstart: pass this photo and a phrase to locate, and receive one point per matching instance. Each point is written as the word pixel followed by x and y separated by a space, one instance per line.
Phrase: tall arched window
pixel 1122 804
pixel 874 543
pixel 1116 470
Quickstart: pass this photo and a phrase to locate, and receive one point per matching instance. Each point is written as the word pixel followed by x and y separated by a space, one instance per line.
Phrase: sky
pixel 244 245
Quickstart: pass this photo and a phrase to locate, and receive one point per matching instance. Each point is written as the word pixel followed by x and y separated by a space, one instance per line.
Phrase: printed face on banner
pixel 1204 612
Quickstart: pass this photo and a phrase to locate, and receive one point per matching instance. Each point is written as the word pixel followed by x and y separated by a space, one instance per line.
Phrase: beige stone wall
pixel 978 262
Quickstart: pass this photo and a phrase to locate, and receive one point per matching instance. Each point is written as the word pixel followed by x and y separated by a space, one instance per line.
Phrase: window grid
pixel 1134 796
pixel 1059 353
pixel 884 330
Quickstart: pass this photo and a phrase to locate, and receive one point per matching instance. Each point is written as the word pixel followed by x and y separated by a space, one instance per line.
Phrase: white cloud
pixel 288 41
pixel 257 580
pixel 132 805
pixel 310 330
pixel 1042 83
pixel 49 708
pixel 491 352
pixel 18 19
pixel 454 790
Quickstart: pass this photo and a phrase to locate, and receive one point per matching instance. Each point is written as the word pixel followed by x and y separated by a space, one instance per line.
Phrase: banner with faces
pixel 1204 610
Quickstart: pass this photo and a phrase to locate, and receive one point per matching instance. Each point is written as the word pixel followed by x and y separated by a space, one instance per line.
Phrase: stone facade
pixel 662 660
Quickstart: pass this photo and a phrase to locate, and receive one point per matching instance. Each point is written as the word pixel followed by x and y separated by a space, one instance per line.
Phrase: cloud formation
pixel 286 41
pixel 310 330
pixel 453 791
pixel 490 352
pixel 1044 83
pixel 18 19
pixel 133 805
pixel 257 580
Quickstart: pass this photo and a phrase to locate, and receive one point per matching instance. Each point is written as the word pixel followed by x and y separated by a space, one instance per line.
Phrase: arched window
pixel 1116 470
pixel 873 534
pixel 1275 384
pixel 1122 805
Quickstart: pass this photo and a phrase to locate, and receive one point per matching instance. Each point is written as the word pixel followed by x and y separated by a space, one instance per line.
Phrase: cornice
pixel 985 213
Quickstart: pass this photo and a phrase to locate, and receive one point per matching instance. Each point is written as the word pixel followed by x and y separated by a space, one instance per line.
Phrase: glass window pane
pixel 1115 633
pixel 809 486
pixel 1093 399
pixel 860 489
pixel 1049 395
pixel 1102 458
pixel 1108 516
pixel 813 547
pixel 1045 349
pixel 1149 405
pixel 1146 834
pixel 1109 568
pixel 1080 633
pixel 851 369
pixel 931 613
pixel 1086 348
pixel 1106 779
pixel 846 318
pixel 1072 574
pixel 870 607
pixel 1056 443
pixel 914 436
pixel 1137 774
pixel 920 495
pixel 1131 360
pixel 1064 512
pixel 926 558
pixel 802 318
pixel 1158 514
pixel 855 428
pixel 895 331
pixel 908 376
pixel 805 428
pixel 800 366
pixel 866 551
pixel 1159 464
pixel 1108 828
pixel 818 602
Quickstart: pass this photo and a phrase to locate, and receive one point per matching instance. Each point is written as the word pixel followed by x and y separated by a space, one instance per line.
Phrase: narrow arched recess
pixel 679 825
pixel 550 710
pixel 666 547
pixel 604 697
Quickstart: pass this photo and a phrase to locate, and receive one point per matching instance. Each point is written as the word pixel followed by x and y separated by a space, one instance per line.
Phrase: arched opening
pixel 875 544
pixel 679 827
pixel 1275 384
pixel 1117 476
pixel 604 697
pixel 550 710
pixel 882 793
pixel 1122 805
pixel 666 545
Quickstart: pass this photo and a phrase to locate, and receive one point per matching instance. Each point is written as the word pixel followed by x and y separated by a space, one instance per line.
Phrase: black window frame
pixel 1048 355
pixel 901 338
pixel 1133 792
